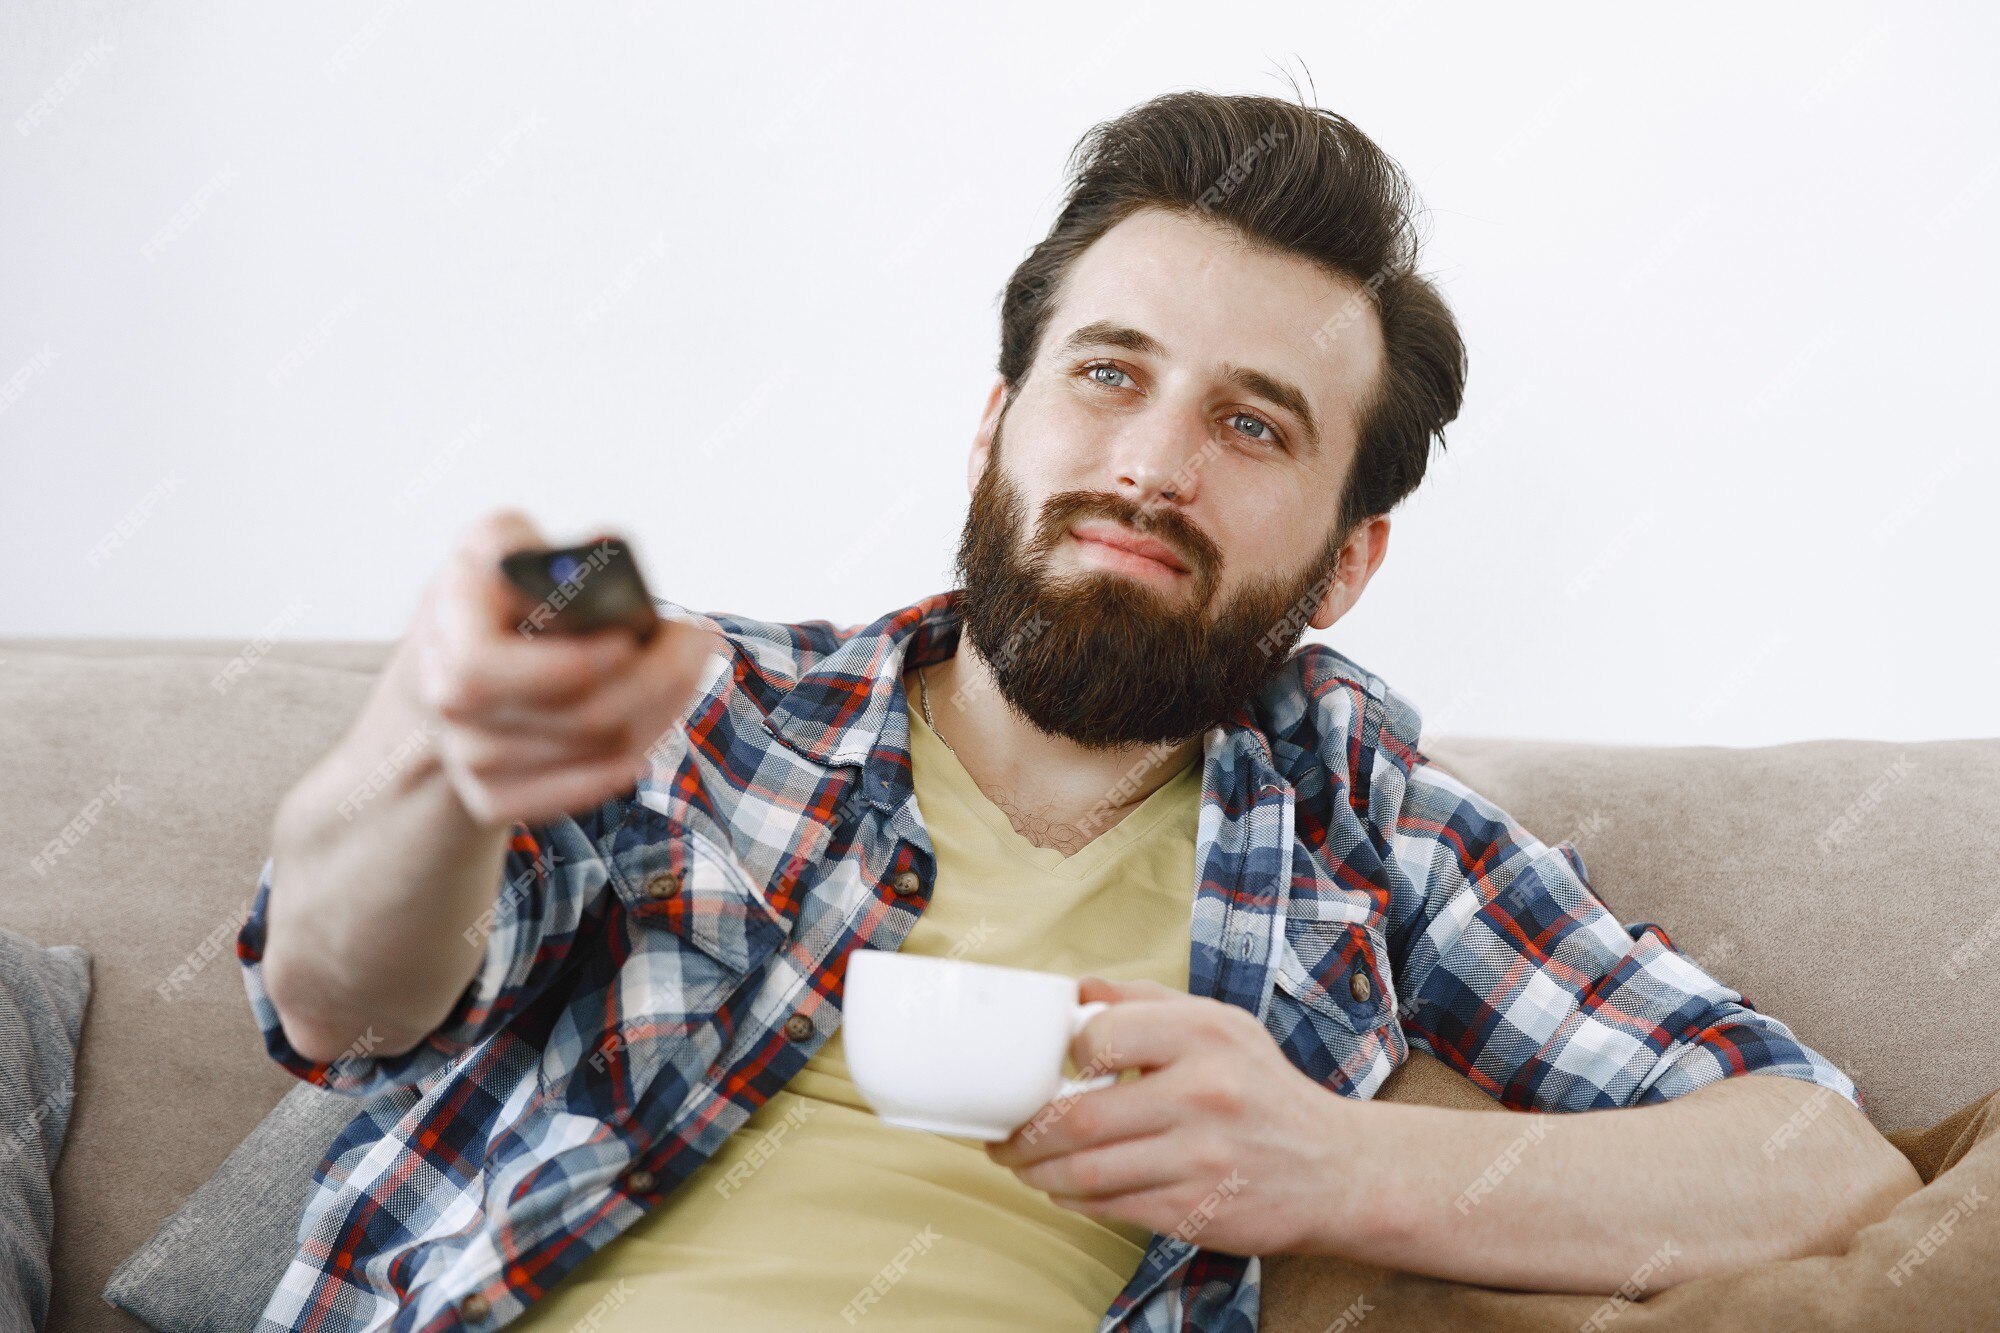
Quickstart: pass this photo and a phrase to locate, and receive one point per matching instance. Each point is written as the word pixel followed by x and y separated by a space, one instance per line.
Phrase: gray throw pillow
pixel 212 1266
pixel 43 993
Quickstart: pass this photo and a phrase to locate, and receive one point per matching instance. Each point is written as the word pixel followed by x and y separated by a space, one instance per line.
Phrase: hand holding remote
pixel 536 724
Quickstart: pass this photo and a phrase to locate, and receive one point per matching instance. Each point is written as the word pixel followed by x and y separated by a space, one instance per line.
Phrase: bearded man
pixel 585 952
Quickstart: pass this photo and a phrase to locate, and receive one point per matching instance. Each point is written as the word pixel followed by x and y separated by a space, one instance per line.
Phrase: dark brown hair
pixel 1300 180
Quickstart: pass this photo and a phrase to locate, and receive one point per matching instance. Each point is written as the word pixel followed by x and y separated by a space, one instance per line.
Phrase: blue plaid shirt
pixel 657 967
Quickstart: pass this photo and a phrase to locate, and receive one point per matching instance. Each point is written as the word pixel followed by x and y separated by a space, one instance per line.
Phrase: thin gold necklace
pixel 924 690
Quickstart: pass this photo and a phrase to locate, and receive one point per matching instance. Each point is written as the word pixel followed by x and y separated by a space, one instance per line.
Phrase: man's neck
pixel 1056 792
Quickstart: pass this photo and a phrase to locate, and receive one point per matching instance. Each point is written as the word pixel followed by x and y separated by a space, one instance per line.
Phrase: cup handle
pixel 1073 1087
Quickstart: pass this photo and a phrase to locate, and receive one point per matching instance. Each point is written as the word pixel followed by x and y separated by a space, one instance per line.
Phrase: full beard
pixel 1104 659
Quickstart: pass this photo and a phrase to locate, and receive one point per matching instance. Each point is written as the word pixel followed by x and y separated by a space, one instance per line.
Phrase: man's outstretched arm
pixel 1751 1169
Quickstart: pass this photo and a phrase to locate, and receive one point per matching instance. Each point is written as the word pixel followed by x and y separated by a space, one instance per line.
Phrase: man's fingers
pixel 653 689
pixel 479 656
pixel 642 697
pixel 561 723
pixel 497 534
pixel 537 797
pixel 496 607
pixel 1108 1114
pixel 1137 1034
pixel 548 670
pixel 1106 1169
pixel 492 755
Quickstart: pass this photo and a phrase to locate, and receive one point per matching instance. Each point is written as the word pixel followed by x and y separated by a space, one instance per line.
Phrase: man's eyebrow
pixel 1108 333
pixel 1284 394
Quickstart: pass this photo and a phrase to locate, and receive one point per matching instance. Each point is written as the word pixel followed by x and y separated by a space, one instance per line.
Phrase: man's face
pixel 1180 401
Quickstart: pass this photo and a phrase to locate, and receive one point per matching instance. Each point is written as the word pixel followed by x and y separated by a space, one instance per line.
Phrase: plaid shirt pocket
pixel 1333 1009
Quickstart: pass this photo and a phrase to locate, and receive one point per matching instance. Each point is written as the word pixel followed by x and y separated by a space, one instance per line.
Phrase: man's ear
pixel 982 439
pixel 1359 559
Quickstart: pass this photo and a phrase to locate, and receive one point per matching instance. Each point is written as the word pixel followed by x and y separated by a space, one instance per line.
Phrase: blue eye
pixel 1268 437
pixel 1091 372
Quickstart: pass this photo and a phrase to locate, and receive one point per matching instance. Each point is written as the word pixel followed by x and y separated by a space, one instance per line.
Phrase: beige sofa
pixel 1848 887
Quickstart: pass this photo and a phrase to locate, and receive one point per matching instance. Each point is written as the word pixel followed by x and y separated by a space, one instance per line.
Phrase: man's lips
pixel 1132 543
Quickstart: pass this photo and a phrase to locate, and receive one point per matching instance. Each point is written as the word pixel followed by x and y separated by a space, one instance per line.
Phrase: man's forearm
pixel 1754 1168
pixel 377 870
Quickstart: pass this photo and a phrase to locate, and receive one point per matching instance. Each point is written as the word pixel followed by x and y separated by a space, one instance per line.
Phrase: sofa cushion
pixel 43 995
pixel 212 1266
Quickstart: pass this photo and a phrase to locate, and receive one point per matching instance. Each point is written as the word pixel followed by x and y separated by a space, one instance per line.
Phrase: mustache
pixel 1065 509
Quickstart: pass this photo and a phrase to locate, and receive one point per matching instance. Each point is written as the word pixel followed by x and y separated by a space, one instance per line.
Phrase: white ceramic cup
pixel 958 1047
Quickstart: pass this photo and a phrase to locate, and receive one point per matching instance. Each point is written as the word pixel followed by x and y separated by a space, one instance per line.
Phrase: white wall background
pixel 288 296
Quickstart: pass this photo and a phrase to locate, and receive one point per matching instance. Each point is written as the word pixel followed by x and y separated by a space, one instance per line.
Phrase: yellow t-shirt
pixel 827 1198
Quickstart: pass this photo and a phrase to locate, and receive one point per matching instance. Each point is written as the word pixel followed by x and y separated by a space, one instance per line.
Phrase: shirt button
pixel 473 1308
pixel 1357 985
pixel 639 1181
pixel 909 884
pixel 798 1027
pixel 662 884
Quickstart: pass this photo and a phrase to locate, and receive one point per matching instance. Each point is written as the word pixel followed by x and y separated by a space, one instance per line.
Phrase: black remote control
pixel 578 589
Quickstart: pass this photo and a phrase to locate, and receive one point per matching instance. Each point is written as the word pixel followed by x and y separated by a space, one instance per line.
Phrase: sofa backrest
pixel 1848 888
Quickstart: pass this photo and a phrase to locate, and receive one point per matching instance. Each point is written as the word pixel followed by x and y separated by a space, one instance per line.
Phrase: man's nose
pixel 1159 460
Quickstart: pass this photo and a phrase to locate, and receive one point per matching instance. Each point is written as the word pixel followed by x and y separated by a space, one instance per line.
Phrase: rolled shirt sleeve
pixel 552 887
pixel 1516 974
